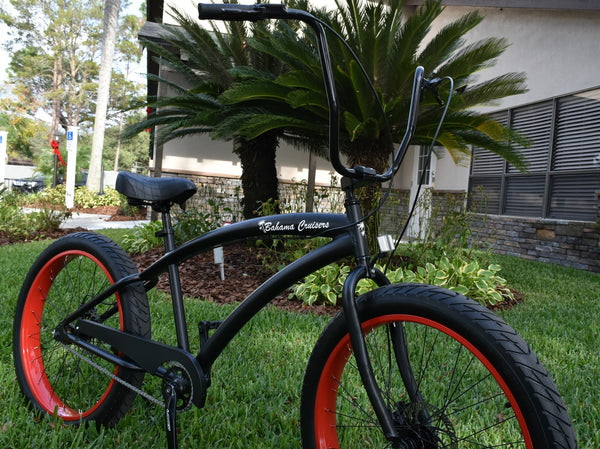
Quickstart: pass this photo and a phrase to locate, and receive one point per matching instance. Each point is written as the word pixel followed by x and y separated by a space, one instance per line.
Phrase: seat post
pixel 175 283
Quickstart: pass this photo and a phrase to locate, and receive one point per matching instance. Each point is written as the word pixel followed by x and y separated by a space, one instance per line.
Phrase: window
pixel 563 161
pixel 424 166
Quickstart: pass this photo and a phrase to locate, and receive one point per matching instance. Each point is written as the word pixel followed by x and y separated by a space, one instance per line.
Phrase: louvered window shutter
pixel 563 159
pixel 575 176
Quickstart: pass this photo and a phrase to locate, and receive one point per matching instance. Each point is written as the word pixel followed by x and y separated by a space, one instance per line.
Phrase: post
pixel 72 132
pixel 3 137
pixel 310 185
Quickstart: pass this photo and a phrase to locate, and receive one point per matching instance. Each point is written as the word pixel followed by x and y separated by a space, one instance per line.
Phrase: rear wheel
pixel 65 380
pixel 471 381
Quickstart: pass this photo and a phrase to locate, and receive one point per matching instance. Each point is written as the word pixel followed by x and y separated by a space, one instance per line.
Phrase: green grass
pixel 255 397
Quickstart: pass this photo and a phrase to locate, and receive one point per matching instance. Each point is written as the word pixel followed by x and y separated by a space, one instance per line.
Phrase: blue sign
pixel 1 139
pixel 70 135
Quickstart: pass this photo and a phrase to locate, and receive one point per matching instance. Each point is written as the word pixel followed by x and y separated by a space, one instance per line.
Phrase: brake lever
pixel 433 85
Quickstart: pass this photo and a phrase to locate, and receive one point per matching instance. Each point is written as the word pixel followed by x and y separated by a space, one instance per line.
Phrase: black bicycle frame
pixel 334 226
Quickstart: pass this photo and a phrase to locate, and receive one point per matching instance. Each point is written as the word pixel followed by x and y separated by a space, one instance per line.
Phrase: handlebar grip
pixel 236 12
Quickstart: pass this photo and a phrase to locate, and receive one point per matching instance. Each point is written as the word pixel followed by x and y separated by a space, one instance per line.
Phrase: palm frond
pixel 494 89
pixel 449 39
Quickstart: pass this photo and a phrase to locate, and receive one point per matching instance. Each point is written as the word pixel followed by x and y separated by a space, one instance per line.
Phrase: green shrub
pixel 143 238
pixel 17 224
pixel 83 197
pixel 484 285
pixel 193 222
pixel 323 286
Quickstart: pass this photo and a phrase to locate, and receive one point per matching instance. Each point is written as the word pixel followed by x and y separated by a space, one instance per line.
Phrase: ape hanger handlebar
pixel 263 11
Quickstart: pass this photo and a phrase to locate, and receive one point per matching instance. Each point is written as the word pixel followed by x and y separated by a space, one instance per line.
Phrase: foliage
pixel 390 46
pixel 275 254
pixel 83 197
pixel 55 49
pixel 133 152
pixel 191 223
pixel 187 224
pixel 442 228
pixel 143 238
pixel 26 136
pixel 15 223
pixel 443 255
pixel 484 285
pixel 467 278
pixel 323 286
pixel 56 65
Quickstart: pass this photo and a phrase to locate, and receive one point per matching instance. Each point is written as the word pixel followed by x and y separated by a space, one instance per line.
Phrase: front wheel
pixel 452 373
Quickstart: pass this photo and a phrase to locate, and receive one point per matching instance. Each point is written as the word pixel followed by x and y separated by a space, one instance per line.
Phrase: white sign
pixel 72 132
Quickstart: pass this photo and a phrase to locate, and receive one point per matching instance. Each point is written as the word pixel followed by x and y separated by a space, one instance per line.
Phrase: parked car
pixel 29 185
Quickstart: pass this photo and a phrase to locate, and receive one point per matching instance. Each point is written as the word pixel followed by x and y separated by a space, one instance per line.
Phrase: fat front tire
pixel 470 380
pixel 54 379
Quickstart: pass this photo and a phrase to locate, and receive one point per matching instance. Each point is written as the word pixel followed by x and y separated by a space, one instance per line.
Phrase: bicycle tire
pixel 54 380
pixel 479 384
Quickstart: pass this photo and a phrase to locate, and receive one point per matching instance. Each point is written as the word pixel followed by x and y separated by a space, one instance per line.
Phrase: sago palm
pixel 210 62
pixel 390 46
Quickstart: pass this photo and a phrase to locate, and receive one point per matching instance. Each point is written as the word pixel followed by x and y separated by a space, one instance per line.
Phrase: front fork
pixel 363 362
pixel 359 348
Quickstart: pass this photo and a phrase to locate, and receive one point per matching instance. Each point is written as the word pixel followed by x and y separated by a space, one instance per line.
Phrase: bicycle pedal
pixel 204 327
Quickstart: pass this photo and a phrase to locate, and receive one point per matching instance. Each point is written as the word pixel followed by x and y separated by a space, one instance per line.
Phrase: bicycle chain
pixel 116 378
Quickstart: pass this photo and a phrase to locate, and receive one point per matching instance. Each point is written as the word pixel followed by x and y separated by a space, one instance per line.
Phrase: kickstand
pixel 170 395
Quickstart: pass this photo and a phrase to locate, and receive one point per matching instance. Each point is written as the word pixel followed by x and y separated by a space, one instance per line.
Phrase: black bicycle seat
pixel 148 190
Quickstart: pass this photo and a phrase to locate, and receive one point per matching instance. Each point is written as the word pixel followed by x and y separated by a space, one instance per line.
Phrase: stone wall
pixel 571 243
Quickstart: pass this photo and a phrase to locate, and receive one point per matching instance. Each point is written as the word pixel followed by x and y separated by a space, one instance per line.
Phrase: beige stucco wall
pixel 558 50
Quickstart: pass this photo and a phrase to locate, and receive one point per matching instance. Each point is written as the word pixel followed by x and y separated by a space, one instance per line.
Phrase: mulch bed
pixel 244 273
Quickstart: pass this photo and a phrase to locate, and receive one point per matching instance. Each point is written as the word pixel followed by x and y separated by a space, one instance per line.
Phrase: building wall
pixel 564 242
pixel 558 50
pixel 570 243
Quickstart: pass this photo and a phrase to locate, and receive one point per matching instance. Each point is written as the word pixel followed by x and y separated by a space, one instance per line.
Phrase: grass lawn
pixel 255 397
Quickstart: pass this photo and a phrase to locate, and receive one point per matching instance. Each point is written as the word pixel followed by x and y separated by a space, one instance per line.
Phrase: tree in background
pixel 213 62
pixel 27 135
pixel 390 45
pixel 109 37
pixel 54 67
pixel 125 91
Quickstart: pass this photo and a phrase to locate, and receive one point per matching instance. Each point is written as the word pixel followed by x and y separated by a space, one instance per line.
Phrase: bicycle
pixel 403 366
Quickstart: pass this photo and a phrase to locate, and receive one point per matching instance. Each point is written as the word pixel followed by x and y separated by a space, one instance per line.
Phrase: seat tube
pixel 175 285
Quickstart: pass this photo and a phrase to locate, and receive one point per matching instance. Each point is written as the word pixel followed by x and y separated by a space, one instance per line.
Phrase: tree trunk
pixel 259 173
pixel 118 150
pixel 373 154
pixel 56 103
pixel 111 17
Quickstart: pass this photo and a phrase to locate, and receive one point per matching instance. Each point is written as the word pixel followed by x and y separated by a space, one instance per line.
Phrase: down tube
pixel 339 248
